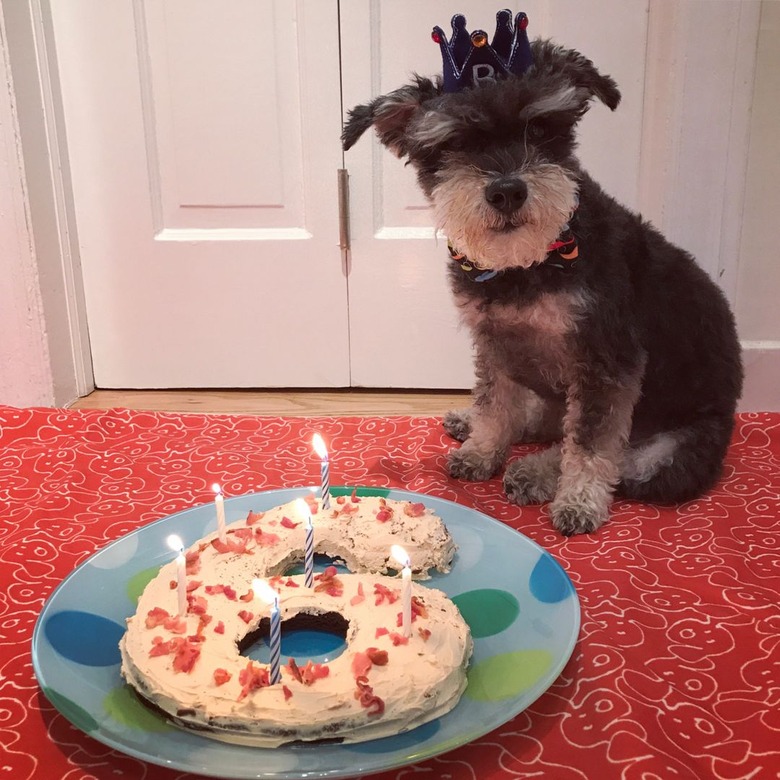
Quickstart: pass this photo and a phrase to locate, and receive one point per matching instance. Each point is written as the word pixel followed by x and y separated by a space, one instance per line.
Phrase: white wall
pixel 758 286
pixel 44 347
pixel 25 370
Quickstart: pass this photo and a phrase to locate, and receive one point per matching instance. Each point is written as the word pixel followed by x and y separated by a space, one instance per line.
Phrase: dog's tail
pixel 676 465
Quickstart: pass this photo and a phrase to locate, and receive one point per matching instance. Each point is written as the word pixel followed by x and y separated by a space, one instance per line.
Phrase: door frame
pixel 45 196
pixel 667 176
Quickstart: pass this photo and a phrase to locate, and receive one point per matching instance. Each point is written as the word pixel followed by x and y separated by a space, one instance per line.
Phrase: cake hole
pixel 319 638
pixel 321 562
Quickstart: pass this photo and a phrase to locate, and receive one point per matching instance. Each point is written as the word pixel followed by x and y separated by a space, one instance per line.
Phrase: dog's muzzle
pixel 506 194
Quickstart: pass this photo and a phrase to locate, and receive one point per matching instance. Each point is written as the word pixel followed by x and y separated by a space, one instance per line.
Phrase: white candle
pixel 175 543
pixel 265 592
pixel 219 503
pixel 406 592
pixel 322 451
pixel 308 548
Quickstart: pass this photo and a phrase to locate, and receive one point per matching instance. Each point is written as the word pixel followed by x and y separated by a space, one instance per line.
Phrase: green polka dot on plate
pixel 488 611
pixel 123 706
pixel 77 715
pixel 137 583
pixel 507 675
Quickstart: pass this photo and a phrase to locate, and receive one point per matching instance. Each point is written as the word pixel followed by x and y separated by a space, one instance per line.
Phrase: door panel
pixel 205 196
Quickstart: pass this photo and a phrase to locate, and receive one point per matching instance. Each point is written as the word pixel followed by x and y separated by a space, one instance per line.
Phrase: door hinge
pixel 344 237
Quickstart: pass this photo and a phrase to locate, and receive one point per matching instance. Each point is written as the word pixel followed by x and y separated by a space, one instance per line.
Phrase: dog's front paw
pixel 577 518
pixel 469 464
pixel 532 479
pixel 457 424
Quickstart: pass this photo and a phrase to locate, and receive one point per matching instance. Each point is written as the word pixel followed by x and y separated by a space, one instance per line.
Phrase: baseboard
pixel 761 392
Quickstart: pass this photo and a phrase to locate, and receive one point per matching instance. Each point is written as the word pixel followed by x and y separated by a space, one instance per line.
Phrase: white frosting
pixel 421 680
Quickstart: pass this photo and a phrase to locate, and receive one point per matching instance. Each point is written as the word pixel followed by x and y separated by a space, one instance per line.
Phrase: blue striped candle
pixel 276 642
pixel 308 562
pixel 322 451
pixel 265 592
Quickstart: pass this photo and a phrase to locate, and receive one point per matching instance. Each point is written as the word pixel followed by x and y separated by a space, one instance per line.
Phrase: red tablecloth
pixel 676 673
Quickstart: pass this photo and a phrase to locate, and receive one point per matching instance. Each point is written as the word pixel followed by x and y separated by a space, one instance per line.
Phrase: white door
pixel 203 145
pixel 203 140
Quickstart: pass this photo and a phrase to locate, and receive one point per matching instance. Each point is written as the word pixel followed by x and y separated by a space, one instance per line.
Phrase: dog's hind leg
pixel 677 465
pixel 596 429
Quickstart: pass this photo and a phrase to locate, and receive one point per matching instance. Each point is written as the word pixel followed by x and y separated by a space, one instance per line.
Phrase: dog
pixel 592 332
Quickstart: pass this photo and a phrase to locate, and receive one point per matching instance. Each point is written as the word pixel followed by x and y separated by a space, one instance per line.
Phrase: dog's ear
pixel 389 114
pixel 580 71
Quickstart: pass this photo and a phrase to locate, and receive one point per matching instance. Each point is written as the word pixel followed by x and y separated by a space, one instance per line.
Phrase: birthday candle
pixel 322 451
pixel 175 543
pixel 264 591
pixel 308 548
pixel 219 503
pixel 276 642
pixel 406 592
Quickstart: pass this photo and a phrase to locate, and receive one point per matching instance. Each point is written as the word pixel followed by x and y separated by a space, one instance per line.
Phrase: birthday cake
pixel 405 656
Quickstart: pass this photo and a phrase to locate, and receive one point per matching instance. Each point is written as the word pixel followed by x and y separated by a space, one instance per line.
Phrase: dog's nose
pixel 506 194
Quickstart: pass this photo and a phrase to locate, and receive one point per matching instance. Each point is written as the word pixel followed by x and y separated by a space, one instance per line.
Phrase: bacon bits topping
pixel 251 678
pixel 254 517
pixel 383 593
pixel 329 582
pixel 368 699
pixel 197 605
pixel 219 628
pixel 348 510
pixel 354 497
pixel 361 664
pixel 418 608
pixel 246 615
pixel 287 692
pixel 230 545
pixel 360 597
pixel 378 657
pixel 287 523
pixel 425 633
pixel 192 562
pixel 314 507
pixel 156 617
pixel 398 639
pixel 385 512
pixel 225 590
pixel 264 538
pixel 309 674
pixel 414 510
pixel 160 617
pixel 221 676
pixel 185 651
pixel 313 672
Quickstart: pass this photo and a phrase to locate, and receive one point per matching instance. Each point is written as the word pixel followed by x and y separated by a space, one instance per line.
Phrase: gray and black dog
pixel 591 330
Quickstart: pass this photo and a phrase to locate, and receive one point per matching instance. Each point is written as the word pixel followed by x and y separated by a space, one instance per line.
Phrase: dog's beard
pixel 492 239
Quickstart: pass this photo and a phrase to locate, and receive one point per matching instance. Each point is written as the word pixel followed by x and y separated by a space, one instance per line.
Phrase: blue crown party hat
pixel 468 59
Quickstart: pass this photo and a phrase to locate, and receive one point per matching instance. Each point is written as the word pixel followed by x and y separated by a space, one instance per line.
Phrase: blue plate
pixel 522 608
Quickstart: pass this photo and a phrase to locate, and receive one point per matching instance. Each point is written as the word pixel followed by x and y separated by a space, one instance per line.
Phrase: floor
pixel 281 403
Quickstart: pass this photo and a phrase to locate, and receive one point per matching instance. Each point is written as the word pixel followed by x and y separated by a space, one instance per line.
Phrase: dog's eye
pixel 535 131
